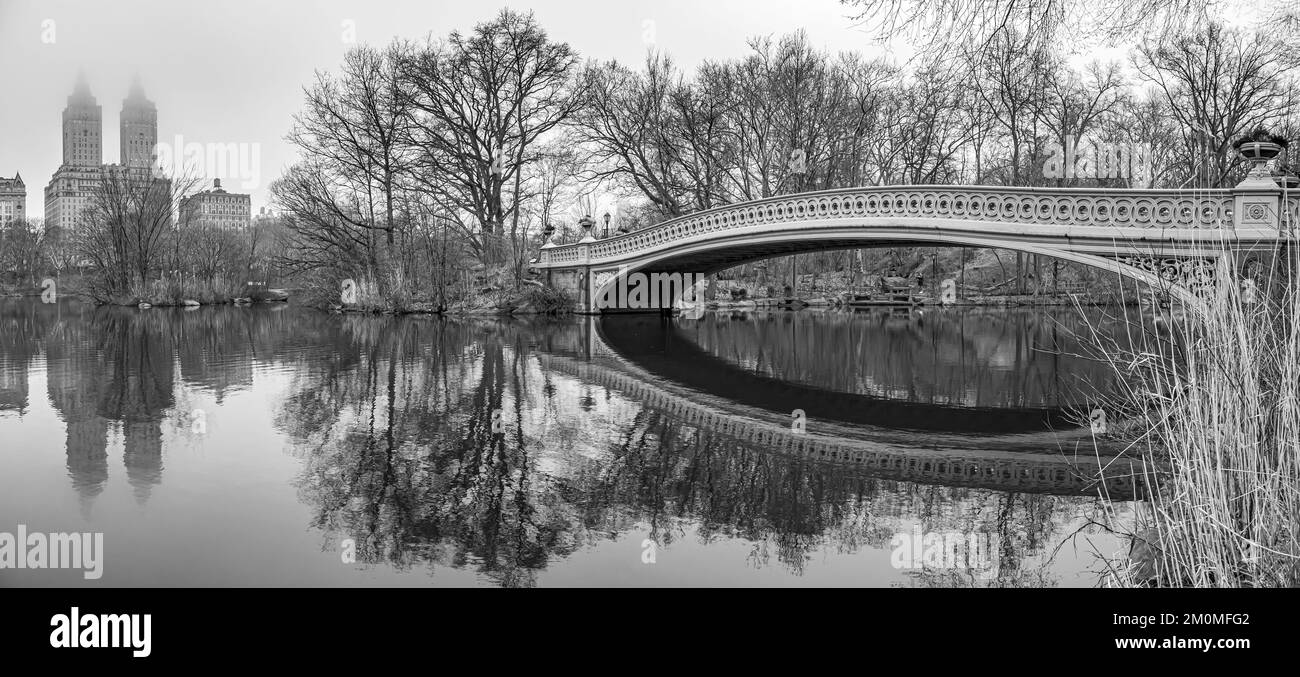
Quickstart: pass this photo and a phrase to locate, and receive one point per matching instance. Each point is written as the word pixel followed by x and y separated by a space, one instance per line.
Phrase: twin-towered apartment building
pixel 74 182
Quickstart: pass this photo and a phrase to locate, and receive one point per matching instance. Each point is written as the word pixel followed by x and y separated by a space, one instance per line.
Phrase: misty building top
pixel 136 98
pixel 81 95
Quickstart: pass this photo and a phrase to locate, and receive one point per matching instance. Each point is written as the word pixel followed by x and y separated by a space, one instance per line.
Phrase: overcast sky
pixel 233 71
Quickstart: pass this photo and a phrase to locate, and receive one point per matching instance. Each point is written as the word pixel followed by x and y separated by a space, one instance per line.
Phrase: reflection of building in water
pixel 143 456
pixel 105 368
pixel 74 385
pixel 87 451
pixel 139 388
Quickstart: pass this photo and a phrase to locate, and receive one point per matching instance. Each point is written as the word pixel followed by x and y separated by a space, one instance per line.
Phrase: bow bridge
pixel 1179 241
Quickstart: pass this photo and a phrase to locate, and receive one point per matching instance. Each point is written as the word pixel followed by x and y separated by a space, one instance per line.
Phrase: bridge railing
pixel 1064 207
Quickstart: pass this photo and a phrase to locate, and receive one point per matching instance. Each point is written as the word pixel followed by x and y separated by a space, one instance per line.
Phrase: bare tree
pixel 1075 105
pixel 625 130
pixel 353 127
pixel 479 102
pixel 937 25
pixel 329 224
pixel 1011 78
pixel 61 249
pixel 23 244
pixel 1219 83
pixel 128 223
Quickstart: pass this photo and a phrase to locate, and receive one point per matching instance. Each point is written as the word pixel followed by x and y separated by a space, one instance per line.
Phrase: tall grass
pixel 324 290
pixel 166 291
pixel 1210 405
pixel 174 291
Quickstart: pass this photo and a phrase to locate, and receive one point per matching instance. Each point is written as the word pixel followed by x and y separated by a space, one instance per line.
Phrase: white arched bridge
pixel 1180 240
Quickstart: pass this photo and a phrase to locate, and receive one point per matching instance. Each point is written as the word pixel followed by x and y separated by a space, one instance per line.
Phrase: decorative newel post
pixel 586 223
pixel 1257 200
pixel 543 252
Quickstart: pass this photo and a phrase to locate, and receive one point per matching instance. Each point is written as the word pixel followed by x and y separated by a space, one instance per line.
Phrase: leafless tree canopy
pixel 435 150
pixel 936 24
pixel 126 227
pixel 1218 84
pixel 426 164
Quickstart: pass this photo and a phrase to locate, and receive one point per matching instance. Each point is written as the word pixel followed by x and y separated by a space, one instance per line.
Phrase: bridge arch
pixel 1157 237
pixel 711 256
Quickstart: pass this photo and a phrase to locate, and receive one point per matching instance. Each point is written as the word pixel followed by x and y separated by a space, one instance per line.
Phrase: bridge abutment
pixel 571 282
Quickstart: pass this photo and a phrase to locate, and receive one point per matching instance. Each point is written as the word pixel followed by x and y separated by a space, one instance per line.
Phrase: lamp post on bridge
pixel 606 235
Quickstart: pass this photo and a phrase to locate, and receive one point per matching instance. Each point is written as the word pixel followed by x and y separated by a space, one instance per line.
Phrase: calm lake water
pixel 272 445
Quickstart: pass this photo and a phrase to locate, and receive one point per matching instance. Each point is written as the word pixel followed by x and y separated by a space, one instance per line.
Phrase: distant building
pixel 217 209
pixel 264 215
pixel 13 200
pixel 139 128
pixel 267 217
pixel 83 128
pixel 83 153
pixel 76 180
pixel 68 193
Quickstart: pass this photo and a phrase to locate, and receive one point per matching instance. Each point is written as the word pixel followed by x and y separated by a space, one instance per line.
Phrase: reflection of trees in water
pixel 971 358
pixel 400 457
pixel 393 421
pixel 19 344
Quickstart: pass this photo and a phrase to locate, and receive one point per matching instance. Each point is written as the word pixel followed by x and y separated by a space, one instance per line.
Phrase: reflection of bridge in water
pixel 657 345
pixel 1062 462
pixel 971 357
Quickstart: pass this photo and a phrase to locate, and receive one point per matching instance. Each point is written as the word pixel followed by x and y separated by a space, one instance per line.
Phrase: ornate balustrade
pixel 1066 208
